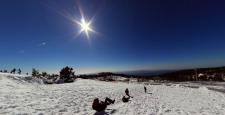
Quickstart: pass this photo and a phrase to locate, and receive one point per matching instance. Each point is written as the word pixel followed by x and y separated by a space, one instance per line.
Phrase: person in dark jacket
pixel 100 105
pixel 145 89
pixel 127 92
pixel 125 99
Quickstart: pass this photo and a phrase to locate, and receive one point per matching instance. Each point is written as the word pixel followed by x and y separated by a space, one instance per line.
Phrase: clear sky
pixel 130 34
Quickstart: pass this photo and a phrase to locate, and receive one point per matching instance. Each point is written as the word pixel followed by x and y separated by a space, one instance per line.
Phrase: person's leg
pixel 128 94
pixel 109 101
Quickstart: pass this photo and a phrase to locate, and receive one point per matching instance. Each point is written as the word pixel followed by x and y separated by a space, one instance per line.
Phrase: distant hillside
pixel 146 72
pixel 198 74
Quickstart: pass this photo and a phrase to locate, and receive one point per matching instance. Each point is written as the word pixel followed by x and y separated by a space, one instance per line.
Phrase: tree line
pixel 66 75
pixel 13 71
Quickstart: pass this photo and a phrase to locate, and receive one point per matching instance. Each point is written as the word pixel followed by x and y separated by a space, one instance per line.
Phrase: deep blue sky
pixel 131 35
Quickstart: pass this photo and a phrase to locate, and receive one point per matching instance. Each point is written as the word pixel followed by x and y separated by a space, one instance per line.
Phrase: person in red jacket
pixel 101 105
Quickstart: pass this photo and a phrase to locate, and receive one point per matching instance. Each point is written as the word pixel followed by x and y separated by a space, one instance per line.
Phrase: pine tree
pixel 44 74
pixel 13 70
pixel 67 74
pixel 19 71
pixel 35 72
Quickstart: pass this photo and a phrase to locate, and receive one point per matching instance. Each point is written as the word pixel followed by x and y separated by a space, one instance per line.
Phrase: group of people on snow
pixel 102 105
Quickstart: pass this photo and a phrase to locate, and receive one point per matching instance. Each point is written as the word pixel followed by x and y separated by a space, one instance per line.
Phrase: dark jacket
pixel 98 106
pixel 125 99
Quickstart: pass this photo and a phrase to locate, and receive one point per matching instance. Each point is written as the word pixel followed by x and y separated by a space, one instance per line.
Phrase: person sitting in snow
pixel 127 93
pixel 100 105
pixel 125 99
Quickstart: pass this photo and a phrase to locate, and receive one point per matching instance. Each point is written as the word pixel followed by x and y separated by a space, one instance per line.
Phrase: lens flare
pixel 85 27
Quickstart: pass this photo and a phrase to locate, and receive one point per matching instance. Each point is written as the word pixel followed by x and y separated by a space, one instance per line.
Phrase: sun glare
pixel 85 27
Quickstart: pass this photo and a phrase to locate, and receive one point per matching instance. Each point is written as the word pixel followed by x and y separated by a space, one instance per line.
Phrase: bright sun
pixel 85 27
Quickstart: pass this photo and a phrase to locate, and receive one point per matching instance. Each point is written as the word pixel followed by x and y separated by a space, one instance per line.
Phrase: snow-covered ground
pixel 23 95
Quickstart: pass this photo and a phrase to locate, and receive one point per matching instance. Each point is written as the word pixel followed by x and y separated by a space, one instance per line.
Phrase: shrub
pixel 19 71
pixel 67 74
pixel 13 70
pixel 5 71
pixel 35 73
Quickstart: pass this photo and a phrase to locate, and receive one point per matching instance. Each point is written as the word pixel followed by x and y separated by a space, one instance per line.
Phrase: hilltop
pixel 20 94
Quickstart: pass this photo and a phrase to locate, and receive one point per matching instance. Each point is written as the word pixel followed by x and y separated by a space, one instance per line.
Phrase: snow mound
pixel 203 88
pixel 22 79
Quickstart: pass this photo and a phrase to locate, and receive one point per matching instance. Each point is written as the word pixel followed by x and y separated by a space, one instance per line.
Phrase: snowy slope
pixel 22 97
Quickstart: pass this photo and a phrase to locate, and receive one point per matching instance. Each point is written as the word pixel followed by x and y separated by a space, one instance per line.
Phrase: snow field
pixel 20 97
